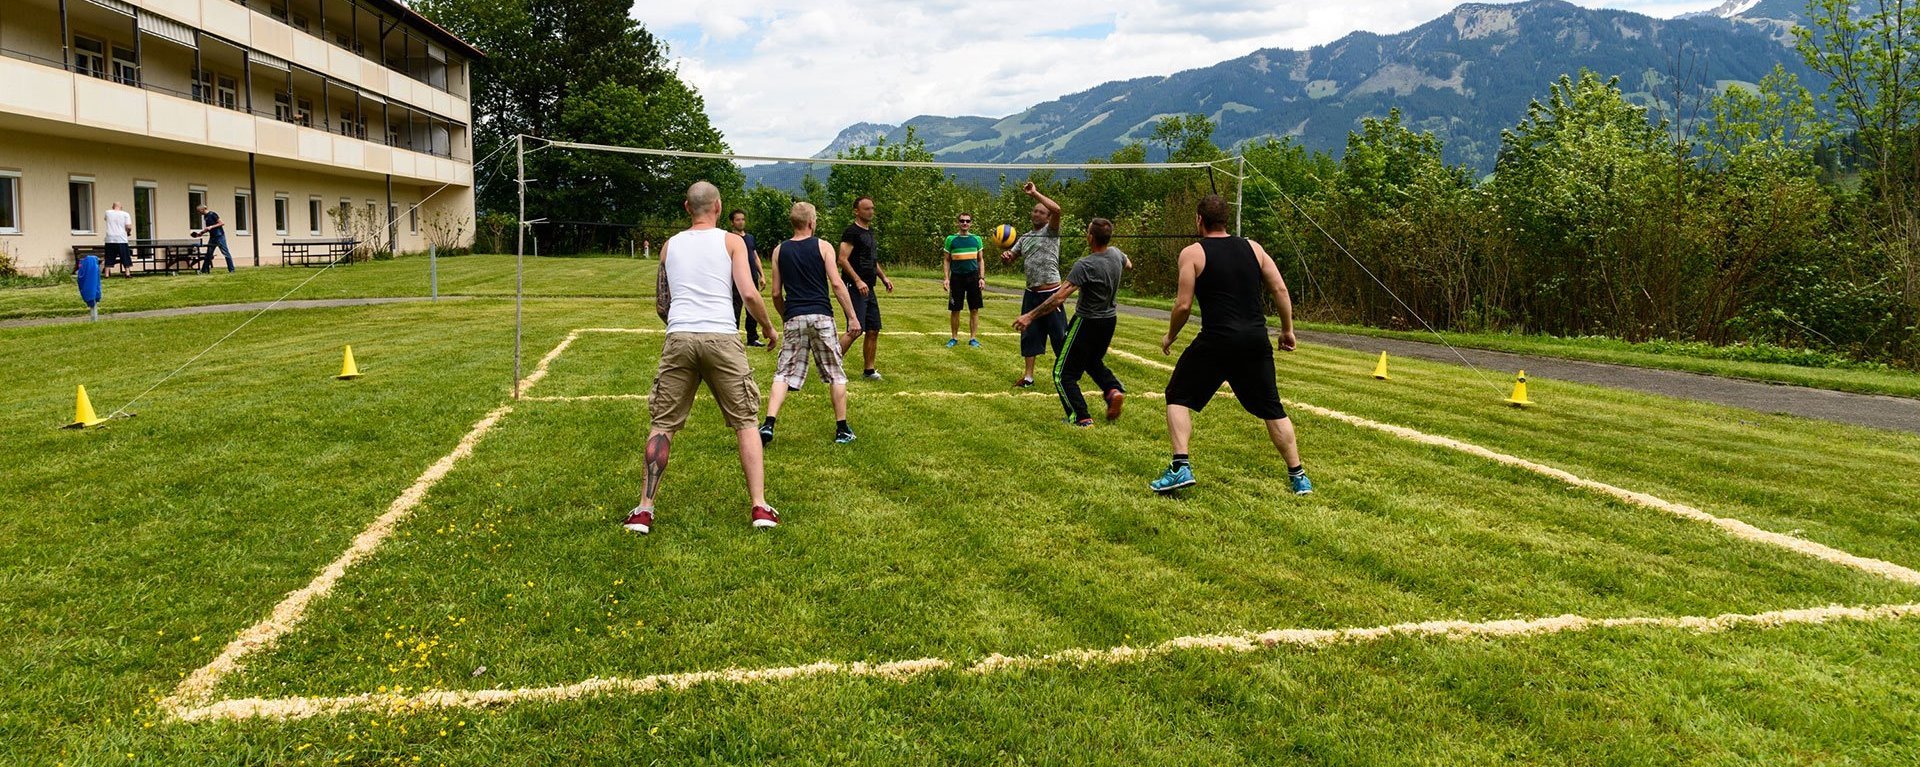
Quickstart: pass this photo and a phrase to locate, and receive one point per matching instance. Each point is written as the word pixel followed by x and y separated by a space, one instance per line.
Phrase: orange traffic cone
pixel 1519 396
pixel 348 370
pixel 83 415
pixel 1380 370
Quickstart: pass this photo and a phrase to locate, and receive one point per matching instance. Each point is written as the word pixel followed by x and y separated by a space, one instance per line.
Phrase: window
pixel 346 215
pixel 80 204
pixel 413 219
pixel 242 213
pixel 283 107
pixel 196 197
pixel 301 23
pixel 228 94
pixel 9 202
pixel 145 201
pixel 303 112
pixel 313 216
pixel 126 68
pixel 89 57
pixel 393 217
pixel 281 213
pixel 203 86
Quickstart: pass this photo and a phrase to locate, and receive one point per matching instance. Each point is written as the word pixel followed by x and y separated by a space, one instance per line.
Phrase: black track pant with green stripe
pixel 1085 354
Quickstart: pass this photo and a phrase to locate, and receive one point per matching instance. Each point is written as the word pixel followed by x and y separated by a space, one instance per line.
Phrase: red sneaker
pixel 640 521
pixel 1115 398
pixel 765 516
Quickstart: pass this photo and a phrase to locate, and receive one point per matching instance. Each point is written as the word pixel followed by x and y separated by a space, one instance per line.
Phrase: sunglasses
pixel 966 221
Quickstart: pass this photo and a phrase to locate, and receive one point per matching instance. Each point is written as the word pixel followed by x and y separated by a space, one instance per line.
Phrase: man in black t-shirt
pixel 738 220
pixel 860 263
pixel 1227 275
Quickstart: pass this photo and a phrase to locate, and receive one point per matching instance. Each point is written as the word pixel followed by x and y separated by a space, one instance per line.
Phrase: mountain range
pixel 1464 76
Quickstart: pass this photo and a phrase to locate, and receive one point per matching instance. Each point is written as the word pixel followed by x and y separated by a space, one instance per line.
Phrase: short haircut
pixel 702 196
pixel 1213 212
pixel 856 200
pixel 803 215
pixel 1101 230
pixel 203 209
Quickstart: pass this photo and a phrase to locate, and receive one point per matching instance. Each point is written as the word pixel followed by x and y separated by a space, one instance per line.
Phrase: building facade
pixel 292 119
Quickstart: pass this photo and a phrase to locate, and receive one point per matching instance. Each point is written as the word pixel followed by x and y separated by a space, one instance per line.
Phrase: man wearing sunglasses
pixel 960 276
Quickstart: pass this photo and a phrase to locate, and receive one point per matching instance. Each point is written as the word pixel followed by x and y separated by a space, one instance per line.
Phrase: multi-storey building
pixel 287 117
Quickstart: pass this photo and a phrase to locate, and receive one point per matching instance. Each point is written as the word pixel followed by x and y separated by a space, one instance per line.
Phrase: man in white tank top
pixel 700 269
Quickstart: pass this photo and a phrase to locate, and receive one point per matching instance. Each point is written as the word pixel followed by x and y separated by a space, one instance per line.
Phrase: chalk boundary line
pixel 193 699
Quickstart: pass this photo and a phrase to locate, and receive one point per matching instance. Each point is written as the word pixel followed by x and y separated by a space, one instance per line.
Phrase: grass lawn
pixel 955 528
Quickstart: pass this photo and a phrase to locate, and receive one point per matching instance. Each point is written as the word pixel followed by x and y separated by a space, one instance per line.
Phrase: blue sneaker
pixel 973 342
pixel 1301 485
pixel 952 342
pixel 1173 479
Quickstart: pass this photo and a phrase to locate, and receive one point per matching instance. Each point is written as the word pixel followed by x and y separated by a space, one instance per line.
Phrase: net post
pixel 433 271
pixel 519 252
pixel 1239 196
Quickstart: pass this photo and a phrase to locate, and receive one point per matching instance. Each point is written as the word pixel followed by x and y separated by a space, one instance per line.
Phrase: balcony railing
pixel 292 117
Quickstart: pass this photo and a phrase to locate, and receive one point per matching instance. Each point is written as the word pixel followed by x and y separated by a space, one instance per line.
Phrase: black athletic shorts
pixel 1245 362
pixel 867 306
pixel 119 253
pixel 964 288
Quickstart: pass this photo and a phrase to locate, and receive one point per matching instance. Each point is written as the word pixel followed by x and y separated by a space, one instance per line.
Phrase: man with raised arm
pixel 1226 275
pixel 803 286
pixel 699 270
pixel 860 260
pixel 1097 279
pixel 1039 250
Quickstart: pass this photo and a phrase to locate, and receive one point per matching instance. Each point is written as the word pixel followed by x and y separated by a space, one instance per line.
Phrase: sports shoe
pixel 766 434
pixel 765 516
pixel 952 342
pixel 1084 423
pixel 1115 398
pixel 1023 382
pixel 1174 478
pixel 843 436
pixel 871 375
pixel 757 343
pixel 973 342
pixel 1301 485
pixel 640 521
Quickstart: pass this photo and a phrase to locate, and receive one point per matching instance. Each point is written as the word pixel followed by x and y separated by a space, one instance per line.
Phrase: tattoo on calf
pixel 657 450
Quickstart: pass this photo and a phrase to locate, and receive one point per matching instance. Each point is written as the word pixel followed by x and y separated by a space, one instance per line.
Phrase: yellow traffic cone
pixel 348 370
pixel 1519 396
pixel 83 416
pixel 1380 370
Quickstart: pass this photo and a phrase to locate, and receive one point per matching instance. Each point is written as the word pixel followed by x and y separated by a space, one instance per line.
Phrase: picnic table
pixel 321 250
pixel 152 256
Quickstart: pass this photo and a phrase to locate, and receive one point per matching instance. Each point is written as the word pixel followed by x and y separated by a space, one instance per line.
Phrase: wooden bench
pixel 151 256
pixel 319 251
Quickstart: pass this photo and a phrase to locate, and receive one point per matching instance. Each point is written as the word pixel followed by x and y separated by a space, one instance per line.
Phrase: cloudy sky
pixel 783 78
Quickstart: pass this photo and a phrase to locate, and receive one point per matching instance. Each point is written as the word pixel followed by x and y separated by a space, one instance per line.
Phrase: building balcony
pixel 136 114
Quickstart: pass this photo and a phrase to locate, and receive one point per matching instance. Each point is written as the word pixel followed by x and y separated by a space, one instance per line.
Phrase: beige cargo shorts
pixel 719 359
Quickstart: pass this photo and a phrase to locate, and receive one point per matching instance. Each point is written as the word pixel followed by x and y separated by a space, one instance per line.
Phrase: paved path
pixel 1872 410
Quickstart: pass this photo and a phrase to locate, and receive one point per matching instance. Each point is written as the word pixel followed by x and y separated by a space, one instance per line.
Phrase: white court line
pixel 199 686
pixel 1733 527
pixel 308 707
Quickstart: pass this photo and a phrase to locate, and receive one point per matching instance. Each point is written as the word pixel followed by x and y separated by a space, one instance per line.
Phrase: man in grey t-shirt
pixel 1097 279
pixel 1039 250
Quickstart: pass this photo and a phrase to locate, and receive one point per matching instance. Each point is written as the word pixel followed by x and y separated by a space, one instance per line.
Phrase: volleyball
pixel 1004 235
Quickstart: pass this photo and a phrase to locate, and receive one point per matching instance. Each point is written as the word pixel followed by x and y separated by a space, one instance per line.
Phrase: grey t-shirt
pixel 1098 278
pixel 1041 250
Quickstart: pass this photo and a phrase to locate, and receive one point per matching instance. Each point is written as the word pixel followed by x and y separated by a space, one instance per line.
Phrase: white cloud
pixel 781 80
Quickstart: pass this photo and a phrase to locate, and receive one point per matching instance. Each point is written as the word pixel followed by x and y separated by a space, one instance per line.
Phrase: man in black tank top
pixel 1226 275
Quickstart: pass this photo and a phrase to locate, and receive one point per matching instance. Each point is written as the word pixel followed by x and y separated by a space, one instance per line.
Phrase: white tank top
pixel 700 277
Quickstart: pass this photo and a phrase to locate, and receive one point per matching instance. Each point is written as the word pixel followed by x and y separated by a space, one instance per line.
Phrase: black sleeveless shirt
pixel 1229 290
pixel 803 277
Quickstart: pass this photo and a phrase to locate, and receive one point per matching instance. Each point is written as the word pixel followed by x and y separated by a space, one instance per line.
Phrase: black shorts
pixel 119 253
pixel 866 307
pixel 1245 362
pixel 964 288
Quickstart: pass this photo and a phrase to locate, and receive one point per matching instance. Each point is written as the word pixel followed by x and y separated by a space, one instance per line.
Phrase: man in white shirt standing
pixel 700 270
pixel 119 251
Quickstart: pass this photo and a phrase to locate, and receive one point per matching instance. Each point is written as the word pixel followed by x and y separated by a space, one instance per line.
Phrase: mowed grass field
pixel 967 521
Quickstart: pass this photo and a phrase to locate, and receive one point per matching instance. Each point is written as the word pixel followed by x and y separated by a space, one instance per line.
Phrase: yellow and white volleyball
pixel 1004 235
